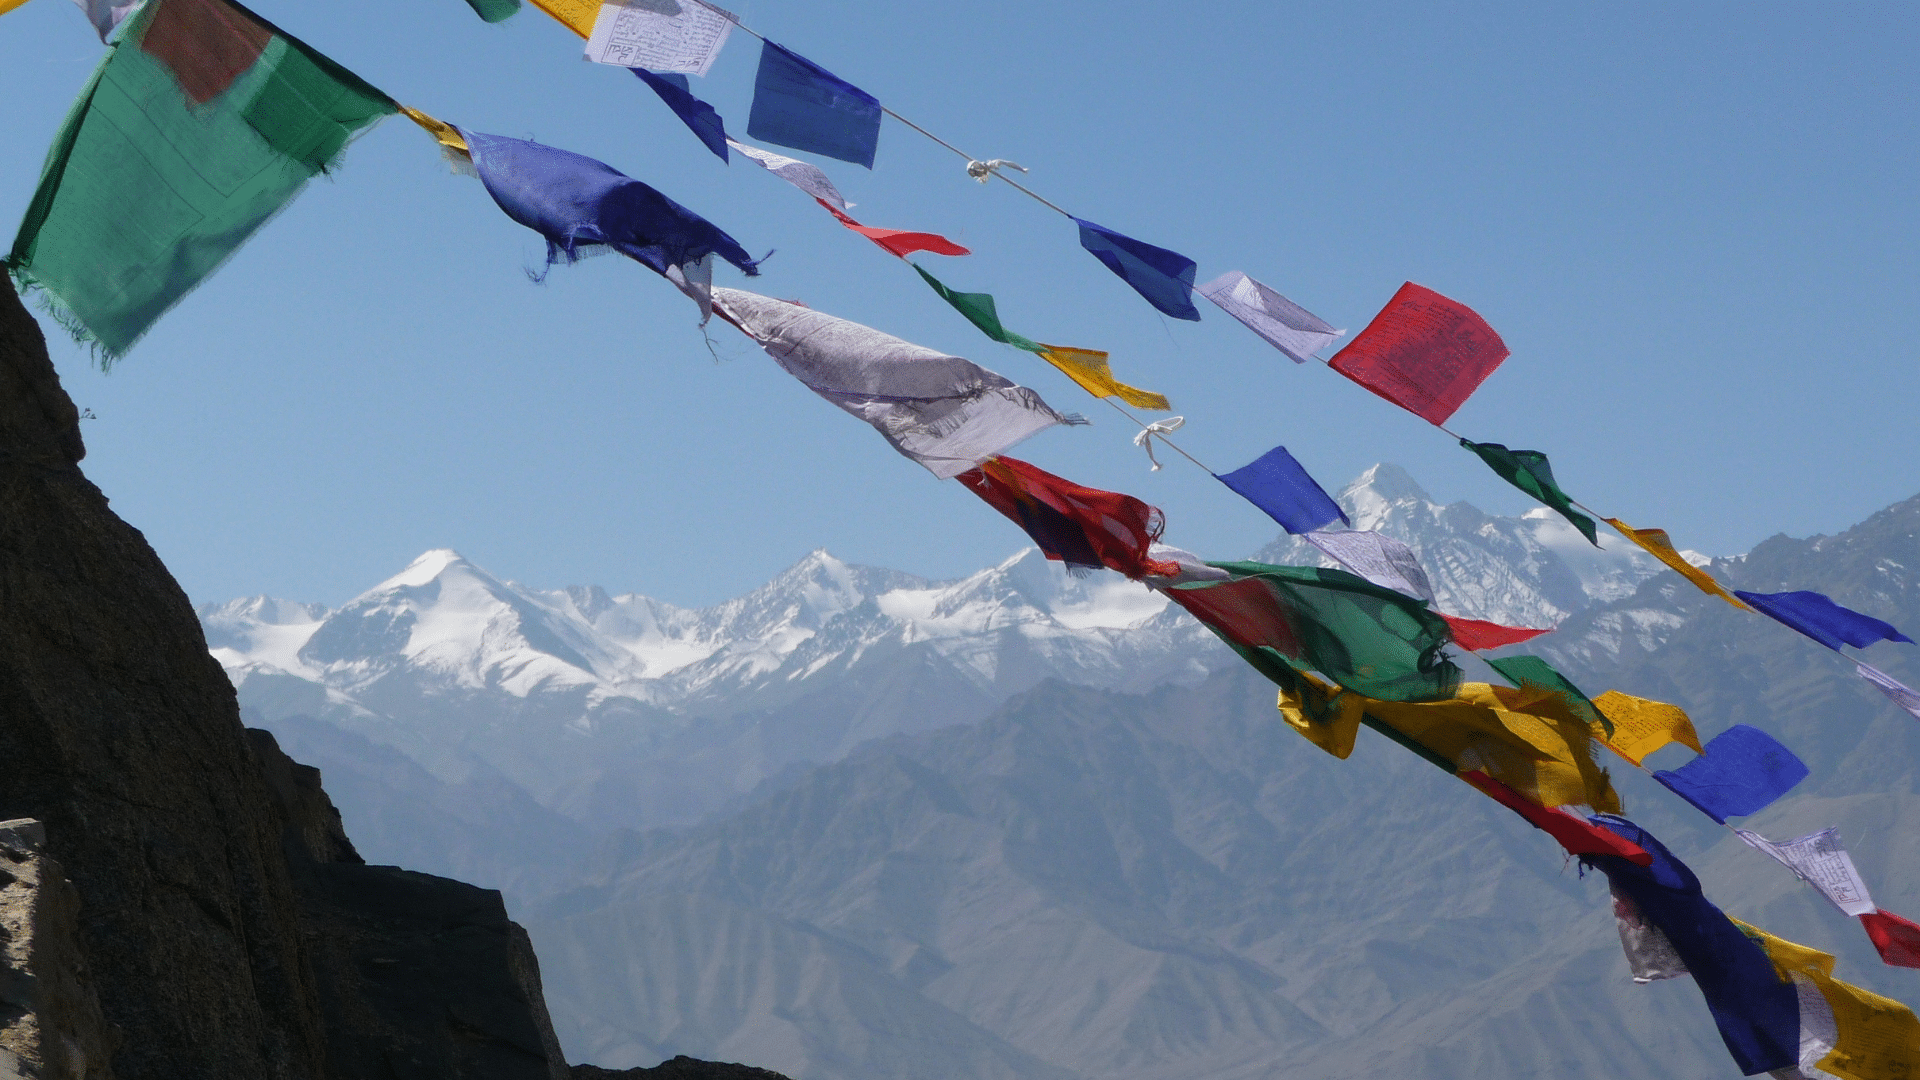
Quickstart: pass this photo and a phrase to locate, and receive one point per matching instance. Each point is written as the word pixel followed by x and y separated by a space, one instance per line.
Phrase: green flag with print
pixel 1529 471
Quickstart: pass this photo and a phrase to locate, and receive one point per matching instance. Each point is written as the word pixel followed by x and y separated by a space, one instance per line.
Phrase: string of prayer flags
pixel 1084 527
pixel 1742 771
pixel 1641 726
pixel 1820 861
pixel 1475 635
pixel 196 129
pixel 1283 619
pixel 1530 672
pixel 1285 325
pixel 1576 835
pixel 1657 544
pixel 699 116
pixel 1897 940
pixel 944 412
pixel 1423 352
pixel 1530 471
pixel 800 104
pixel 1276 484
pixel 107 14
pixel 1382 560
pixel 492 11
pixel 1757 1013
pixel 1819 618
pixel 579 205
pixel 1844 1031
pixel 1895 690
pixel 807 178
pixel 900 242
pixel 1163 278
pixel 677 36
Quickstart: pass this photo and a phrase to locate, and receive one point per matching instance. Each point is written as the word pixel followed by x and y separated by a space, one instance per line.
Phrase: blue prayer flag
pixel 697 114
pixel 1757 1012
pixel 1823 620
pixel 1278 485
pixel 800 104
pixel 1742 771
pixel 1164 278
pixel 579 204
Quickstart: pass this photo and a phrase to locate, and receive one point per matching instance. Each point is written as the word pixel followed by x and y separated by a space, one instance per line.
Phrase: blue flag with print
pixel 697 114
pixel 800 104
pixel 1278 485
pixel 1823 620
pixel 1164 278
pixel 1742 771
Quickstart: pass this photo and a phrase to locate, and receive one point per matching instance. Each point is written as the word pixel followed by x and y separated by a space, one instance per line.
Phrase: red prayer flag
pixel 898 241
pixel 1245 612
pixel 1423 352
pixel 1476 634
pixel 1897 939
pixel 1080 526
pixel 1577 836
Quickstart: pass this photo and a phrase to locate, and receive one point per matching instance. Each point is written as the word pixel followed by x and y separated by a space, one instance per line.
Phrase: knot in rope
pixel 984 170
pixel 1162 428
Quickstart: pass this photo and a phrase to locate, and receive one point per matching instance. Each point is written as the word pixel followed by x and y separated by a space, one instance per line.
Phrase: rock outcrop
pixel 50 1022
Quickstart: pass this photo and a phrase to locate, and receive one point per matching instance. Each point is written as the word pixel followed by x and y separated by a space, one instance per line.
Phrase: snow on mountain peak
pixel 430 565
pixel 1375 493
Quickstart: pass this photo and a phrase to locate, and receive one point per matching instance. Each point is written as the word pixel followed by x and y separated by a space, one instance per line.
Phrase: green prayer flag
pixel 1280 619
pixel 494 10
pixel 979 309
pixel 201 124
pixel 1529 471
pixel 1533 672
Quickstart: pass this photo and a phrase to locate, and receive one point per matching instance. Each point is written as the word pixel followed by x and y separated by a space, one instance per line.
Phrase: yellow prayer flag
pixel 1091 370
pixel 446 134
pixel 1658 545
pixel 578 15
pixel 1326 716
pixel 9 5
pixel 1641 726
pixel 1875 1036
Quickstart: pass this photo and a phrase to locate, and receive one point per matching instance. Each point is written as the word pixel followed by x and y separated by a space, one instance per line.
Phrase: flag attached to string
pixel 576 15
pixel 980 310
pixel 944 412
pixel 680 36
pixel 1423 352
pixel 1641 726
pixel 696 114
pixel 1820 861
pixel 196 129
pixel 492 11
pixel 107 14
pixel 1576 835
pixel 807 178
pixel 581 205
pixel 1895 690
pixel 1382 560
pixel 1742 771
pixel 1650 956
pixel 1163 278
pixel 1084 527
pixel 1897 940
pixel 1531 672
pixel 1660 546
pixel 1276 484
pixel 798 103
pixel 1285 325
pixel 900 242
pixel 1529 471
pixel 1819 618
pixel 1475 635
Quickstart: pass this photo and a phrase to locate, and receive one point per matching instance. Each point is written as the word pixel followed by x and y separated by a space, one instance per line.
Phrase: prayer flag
pixel 1188 567
pixel 1091 370
pixel 980 310
pixel 1896 939
pixel 1387 563
pixel 1474 635
pixel 798 103
pixel 1531 671
pixel 107 14
pixel 492 11
pixel 696 114
pixel 1164 278
pixel 1529 471
pixel 1758 1013
pixel 898 241
pixel 1578 837
pixel 1326 716
pixel 807 178
pixel 1658 545
pixel 580 204
pixel 576 15
pixel 1823 620
pixel 1423 352
pixel 1284 324
pixel 1650 956
pixel 1742 771
pixel 682 36
pixel 1844 1031
pixel 1820 861
pixel 9 5
pixel 1280 488
pixel 195 130
pixel 1641 726
pixel 944 412
pixel 1895 690
pixel 1084 527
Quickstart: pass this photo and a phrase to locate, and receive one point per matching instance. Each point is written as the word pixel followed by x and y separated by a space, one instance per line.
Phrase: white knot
pixel 984 170
pixel 1162 428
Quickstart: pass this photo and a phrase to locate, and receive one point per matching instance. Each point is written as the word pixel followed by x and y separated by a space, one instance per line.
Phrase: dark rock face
pixel 50 1022
pixel 680 1068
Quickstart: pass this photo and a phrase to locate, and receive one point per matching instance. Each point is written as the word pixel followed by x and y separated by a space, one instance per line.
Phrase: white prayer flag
pixel 1382 560
pixel 660 35
pixel 1650 955
pixel 1192 567
pixel 1821 862
pixel 107 14
pixel 807 178
pixel 1895 690
pixel 1284 324
pixel 944 412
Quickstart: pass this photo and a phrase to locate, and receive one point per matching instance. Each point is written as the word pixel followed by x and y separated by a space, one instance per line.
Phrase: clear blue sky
pixel 1695 226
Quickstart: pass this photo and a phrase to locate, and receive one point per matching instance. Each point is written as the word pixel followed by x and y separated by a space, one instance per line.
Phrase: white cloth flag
pixel 1819 1033
pixel 1382 560
pixel 946 413
pixel 1821 862
pixel 1895 690
pixel 807 178
pixel 696 280
pixel 660 35
pixel 1192 567
pixel 1286 325
pixel 1650 955
pixel 107 14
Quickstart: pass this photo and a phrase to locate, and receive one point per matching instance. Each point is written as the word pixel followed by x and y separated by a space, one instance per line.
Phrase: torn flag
pixel 1084 527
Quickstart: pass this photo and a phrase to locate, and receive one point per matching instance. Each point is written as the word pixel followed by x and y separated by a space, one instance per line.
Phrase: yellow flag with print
pixel 1660 546
pixel 1641 726
pixel 1090 369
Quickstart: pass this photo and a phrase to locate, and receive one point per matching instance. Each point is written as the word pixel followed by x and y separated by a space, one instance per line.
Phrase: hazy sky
pixel 1695 226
